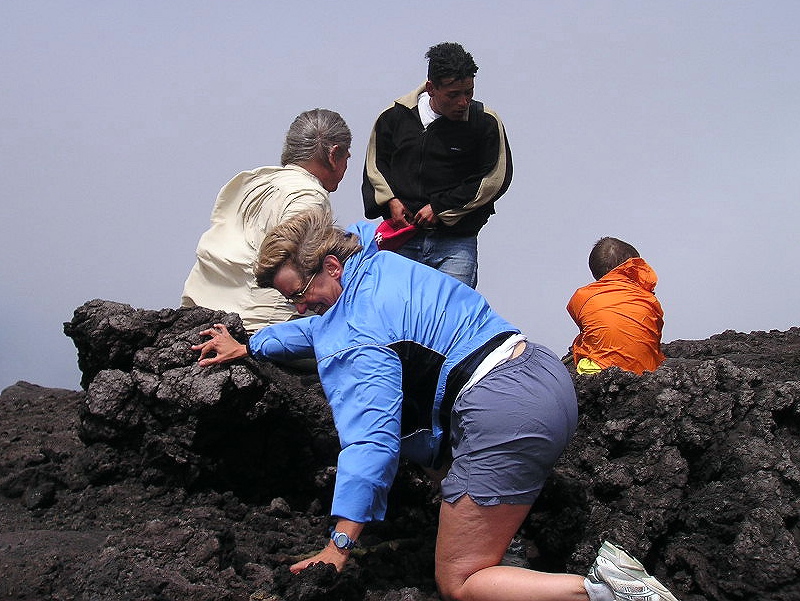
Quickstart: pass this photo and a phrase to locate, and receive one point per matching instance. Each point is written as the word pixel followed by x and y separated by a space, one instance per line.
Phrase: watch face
pixel 342 541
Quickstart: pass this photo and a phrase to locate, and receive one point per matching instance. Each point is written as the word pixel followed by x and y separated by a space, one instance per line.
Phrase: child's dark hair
pixel 609 253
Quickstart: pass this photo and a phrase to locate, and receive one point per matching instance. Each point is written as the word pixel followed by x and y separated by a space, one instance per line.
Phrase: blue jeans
pixel 455 256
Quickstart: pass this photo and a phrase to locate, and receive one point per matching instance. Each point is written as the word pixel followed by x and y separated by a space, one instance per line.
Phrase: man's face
pixel 451 98
pixel 337 165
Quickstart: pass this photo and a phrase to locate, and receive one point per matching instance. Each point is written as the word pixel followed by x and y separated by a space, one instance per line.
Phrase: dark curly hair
pixel 449 60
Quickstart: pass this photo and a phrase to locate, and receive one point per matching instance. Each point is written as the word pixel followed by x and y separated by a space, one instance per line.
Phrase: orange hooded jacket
pixel 620 319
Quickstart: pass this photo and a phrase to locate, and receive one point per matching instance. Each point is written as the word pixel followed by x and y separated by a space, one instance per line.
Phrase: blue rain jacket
pixel 392 353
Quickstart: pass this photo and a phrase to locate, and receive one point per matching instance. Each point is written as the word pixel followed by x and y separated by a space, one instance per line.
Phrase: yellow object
pixel 587 366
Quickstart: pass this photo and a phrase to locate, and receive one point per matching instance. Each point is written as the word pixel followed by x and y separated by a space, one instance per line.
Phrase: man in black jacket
pixel 439 160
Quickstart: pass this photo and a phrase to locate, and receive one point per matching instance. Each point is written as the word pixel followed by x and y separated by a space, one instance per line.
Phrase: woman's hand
pixel 227 349
pixel 330 554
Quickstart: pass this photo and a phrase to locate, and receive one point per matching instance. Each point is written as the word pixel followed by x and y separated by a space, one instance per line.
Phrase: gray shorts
pixel 509 429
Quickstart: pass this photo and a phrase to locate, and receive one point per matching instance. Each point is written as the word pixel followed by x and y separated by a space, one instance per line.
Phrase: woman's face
pixel 318 293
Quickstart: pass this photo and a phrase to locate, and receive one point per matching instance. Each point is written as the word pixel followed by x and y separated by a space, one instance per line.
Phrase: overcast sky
pixel 672 125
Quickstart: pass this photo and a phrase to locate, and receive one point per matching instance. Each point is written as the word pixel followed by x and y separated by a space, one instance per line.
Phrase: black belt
pixel 462 372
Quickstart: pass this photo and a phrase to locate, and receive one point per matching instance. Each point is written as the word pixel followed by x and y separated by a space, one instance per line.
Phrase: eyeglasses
pixel 298 297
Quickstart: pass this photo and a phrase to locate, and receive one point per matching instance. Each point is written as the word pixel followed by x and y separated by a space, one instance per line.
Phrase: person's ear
pixel 332 266
pixel 334 150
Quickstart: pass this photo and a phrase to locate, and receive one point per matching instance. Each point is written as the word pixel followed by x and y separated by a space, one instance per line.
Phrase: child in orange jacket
pixel 619 317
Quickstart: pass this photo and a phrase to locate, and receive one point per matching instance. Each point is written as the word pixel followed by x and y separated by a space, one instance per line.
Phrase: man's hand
pixel 400 215
pixel 425 217
pixel 221 343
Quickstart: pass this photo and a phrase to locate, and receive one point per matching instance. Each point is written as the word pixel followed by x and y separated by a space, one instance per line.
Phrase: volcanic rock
pixel 165 480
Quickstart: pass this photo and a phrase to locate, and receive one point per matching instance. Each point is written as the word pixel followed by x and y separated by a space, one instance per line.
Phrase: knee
pixel 449 589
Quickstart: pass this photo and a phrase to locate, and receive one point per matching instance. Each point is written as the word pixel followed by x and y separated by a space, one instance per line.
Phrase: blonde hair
pixel 302 242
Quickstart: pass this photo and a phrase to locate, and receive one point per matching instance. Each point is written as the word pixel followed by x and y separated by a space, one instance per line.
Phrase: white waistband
pixel 498 356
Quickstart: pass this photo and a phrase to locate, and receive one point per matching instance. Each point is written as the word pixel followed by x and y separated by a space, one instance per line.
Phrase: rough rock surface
pixel 164 480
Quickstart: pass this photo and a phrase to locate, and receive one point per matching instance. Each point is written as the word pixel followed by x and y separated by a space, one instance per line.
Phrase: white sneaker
pixel 626 576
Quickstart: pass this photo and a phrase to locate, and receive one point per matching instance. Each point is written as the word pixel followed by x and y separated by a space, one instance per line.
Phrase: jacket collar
pixel 636 270
pixel 411 100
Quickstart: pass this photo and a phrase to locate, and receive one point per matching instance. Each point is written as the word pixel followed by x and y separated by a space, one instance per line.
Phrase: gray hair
pixel 312 135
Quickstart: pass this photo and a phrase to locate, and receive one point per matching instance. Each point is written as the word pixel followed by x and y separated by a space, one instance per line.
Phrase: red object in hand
pixel 390 237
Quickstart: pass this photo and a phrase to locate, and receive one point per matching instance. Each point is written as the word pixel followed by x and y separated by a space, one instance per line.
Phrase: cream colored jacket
pixel 247 208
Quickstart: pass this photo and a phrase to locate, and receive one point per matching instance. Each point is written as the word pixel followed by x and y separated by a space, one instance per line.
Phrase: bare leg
pixel 471 542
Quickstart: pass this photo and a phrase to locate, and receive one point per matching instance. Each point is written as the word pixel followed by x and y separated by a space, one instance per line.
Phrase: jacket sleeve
pixel 284 341
pixel 574 306
pixel 376 189
pixel 487 184
pixel 258 224
pixel 364 389
pixel 304 200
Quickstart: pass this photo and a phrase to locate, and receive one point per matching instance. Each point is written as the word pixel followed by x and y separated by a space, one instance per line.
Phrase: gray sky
pixel 672 125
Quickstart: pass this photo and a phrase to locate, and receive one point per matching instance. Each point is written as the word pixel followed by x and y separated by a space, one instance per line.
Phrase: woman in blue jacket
pixel 416 364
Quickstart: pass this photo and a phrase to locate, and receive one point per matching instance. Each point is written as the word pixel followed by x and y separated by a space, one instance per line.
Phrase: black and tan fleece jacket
pixel 460 168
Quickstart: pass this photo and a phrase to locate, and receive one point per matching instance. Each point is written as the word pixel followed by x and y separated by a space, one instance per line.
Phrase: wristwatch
pixel 342 541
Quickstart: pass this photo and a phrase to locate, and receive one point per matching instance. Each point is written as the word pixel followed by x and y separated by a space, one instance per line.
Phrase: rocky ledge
pixel 164 480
